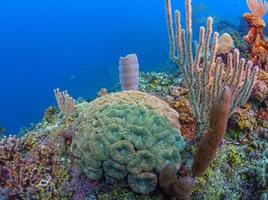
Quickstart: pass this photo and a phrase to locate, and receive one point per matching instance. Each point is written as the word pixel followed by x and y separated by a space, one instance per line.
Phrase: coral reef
pixel 260 91
pixel 125 145
pixel 49 114
pixel 211 140
pixel 225 44
pixel 180 188
pixel 156 83
pixel 65 102
pixel 102 92
pixel 127 134
pixel 204 74
pixel 178 100
pixel 243 119
pixel 237 33
pixel 32 168
pixel 241 177
pixel 255 36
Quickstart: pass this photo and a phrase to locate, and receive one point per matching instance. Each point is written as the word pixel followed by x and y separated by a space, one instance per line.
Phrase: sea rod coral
pixel 206 74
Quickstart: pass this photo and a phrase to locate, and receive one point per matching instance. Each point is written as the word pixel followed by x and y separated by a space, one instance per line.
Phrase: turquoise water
pixel 75 45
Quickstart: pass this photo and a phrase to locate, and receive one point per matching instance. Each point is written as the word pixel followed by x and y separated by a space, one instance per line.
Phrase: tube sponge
pixel 210 142
pixel 180 188
pixel 129 72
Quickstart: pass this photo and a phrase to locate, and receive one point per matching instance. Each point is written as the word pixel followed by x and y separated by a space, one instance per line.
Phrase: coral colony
pixel 198 134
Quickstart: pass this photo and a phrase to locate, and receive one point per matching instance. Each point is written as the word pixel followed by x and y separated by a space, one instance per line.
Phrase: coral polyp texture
pixel 127 134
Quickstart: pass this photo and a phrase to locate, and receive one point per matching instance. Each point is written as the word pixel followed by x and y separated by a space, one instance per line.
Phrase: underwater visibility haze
pixel 76 46
pixel 134 99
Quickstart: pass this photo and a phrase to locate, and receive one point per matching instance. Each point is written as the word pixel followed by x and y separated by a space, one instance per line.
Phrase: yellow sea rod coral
pixel 127 134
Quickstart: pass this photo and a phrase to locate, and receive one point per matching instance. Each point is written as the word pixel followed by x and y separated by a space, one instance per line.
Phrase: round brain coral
pixel 127 134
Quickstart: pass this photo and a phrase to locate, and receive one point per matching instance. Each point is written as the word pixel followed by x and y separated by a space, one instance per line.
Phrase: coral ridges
pixel 127 134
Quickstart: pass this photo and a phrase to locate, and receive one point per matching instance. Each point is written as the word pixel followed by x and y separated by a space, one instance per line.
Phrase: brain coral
pixel 127 134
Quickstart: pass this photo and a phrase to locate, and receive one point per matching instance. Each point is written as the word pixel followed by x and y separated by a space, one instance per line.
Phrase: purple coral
pixel 81 185
pixel 129 72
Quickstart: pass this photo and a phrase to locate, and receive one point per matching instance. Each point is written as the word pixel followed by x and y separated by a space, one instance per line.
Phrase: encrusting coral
pixel 178 100
pixel 255 37
pixel 30 168
pixel 206 74
pixel 130 134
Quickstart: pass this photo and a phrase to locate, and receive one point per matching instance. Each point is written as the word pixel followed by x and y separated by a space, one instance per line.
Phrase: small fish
pixel 72 77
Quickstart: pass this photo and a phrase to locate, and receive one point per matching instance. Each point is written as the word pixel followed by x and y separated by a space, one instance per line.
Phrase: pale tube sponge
pixel 129 72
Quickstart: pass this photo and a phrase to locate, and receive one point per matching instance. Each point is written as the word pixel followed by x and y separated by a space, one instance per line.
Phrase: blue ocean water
pixel 75 45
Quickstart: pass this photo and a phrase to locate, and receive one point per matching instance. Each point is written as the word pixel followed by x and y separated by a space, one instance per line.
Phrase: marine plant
pixel 206 75
pixel 127 134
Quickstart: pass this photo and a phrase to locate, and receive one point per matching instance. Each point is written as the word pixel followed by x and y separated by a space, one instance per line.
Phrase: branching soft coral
pixel 257 7
pixel 255 36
